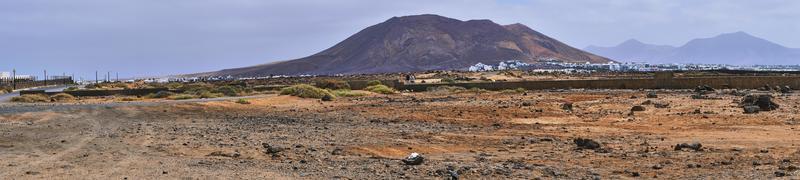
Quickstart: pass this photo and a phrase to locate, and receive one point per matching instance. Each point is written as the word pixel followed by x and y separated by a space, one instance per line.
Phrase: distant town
pixel 557 66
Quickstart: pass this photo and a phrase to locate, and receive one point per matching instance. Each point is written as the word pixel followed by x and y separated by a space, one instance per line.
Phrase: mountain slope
pixel 425 42
pixel 731 48
pixel 633 50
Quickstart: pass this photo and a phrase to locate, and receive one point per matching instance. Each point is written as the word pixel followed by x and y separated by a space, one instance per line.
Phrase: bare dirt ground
pixel 490 135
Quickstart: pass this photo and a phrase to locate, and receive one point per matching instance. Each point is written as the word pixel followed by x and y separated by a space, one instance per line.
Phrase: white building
pixel 5 75
pixel 480 67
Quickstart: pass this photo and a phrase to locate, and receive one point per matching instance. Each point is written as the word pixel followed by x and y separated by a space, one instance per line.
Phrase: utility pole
pixel 45 77
pixel 96 80
pixel 14 79
pixel 117 76
pixel 108 76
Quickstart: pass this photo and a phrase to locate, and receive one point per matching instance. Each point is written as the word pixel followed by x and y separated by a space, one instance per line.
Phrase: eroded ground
pixel 476 135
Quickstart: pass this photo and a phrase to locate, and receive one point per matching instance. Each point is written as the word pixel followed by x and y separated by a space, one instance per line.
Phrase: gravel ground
pixel 469 135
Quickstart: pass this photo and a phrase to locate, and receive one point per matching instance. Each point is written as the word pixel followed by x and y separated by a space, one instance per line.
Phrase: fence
pixel 668 82
pixel 22 83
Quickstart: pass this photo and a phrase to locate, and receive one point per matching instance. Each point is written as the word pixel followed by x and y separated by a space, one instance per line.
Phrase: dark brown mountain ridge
pixel 425 42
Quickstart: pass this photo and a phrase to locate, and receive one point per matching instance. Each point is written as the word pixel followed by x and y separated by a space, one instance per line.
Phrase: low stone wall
pixel 734 82
pixel 83 93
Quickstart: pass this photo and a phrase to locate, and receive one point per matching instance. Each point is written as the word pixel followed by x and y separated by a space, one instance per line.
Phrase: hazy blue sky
pixel 159 37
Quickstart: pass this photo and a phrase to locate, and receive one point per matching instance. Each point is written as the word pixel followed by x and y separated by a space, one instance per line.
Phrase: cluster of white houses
pixel 557 66
pixel 8 75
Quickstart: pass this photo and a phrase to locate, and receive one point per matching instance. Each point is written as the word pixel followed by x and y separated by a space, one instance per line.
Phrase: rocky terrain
pixel 425 42
pixel 556 134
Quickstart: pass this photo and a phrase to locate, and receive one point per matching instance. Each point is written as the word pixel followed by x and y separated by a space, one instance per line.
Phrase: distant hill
pixel 425 42
pixel 732 48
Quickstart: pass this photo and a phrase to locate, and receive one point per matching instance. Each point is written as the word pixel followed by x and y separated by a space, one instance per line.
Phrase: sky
pixel 140 38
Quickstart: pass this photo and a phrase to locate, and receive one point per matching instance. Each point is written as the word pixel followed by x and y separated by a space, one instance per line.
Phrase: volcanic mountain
pixel 730 48
pixel 425 42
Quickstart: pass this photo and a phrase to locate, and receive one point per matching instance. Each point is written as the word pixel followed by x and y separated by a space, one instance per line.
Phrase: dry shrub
pixel 348 93
pixel 332 84
pixel 181 97
pixel 382 89
pixel 242 101
pixel 305 91
pixel 374 82
pixel 62 97
pixel 161 94
pixel 31 98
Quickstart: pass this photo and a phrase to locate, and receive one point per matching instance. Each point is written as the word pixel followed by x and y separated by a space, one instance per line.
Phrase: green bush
pixel 243 101
pixel 31 98
pixel 382 89
pixel 348 93
pixel 227 90
pixel 62 97
pixel 72 89
pixel 374 82
pixel 305 91
pixel 332 84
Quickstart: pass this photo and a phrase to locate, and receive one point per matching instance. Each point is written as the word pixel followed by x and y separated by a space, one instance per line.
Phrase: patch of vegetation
pixel 62 97
pixel 348 93
pixel 477 90
pixel 374 82
pixel 72 89
pixel 227 90
pixel 305 91
pixel 4 90
pixel 194 88
pixel 242 101
pixel 448 80
pixel 31 98
pixel 517 90
pixel 332 84
pixel 181 97
pixel 446 89
pixel 382 89
pixel 161 94
pixel 208 95
pixel 129 99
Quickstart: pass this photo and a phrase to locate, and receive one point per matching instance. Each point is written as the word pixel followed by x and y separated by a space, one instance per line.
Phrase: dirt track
pixel 478 136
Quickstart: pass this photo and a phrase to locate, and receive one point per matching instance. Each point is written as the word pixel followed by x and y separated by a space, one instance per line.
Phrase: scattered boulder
pixel 567 106
pixel 586 144
pixel 224 154
pixel 652 94
pixel 786 89
pixel 414 159
pixel 692 146
pixel 703 89
pixel 327 97
pixel 638 108
pixel 751 109
pixel 271 149
pixel 763 102
pixel 661 105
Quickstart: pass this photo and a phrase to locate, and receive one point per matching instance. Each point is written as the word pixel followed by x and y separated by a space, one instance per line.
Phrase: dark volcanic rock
pixel 586 143
pixel 638 108
pixel 763 102
pixel 414 159
pixel 692 146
